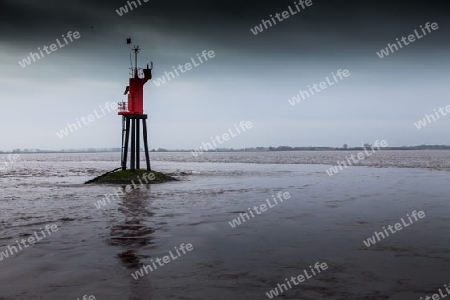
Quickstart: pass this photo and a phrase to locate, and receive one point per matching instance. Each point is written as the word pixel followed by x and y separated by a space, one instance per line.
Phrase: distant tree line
pixel 251 149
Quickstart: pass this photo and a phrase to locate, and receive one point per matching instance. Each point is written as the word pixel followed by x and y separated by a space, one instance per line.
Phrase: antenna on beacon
pixel 136 50
pixel 128 41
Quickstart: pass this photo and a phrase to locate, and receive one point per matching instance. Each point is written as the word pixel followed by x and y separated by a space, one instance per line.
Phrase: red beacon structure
pixel 132 112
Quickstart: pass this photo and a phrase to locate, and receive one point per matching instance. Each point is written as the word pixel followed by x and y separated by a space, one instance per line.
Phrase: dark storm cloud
pixel 220 22
pixel 251 77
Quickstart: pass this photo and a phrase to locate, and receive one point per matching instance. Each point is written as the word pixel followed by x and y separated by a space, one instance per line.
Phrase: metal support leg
pixel 133 144
pixel 123 140
pixel 138 146
pixel 125 147
pixel 147 157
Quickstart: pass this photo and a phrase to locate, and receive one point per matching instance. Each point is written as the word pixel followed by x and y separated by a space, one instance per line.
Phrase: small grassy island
pixel 128 177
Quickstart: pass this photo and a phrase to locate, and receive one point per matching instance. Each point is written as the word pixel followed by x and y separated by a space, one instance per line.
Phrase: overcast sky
pixel 250 78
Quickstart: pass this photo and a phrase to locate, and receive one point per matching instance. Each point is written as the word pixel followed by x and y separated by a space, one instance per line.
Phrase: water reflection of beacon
pixel 133 111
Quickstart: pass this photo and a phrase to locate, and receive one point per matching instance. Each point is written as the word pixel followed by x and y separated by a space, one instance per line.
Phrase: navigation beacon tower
pixel 132 112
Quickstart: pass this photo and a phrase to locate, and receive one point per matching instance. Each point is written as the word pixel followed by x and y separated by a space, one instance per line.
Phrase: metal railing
pixel 140 72
pixel 122 106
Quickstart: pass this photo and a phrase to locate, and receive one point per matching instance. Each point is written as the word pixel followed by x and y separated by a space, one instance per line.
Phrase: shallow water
pixel 95 251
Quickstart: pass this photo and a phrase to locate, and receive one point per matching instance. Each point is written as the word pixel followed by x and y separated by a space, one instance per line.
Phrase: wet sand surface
pixel 95 251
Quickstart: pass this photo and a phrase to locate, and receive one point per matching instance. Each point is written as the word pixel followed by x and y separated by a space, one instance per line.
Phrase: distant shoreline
pixel 257 149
